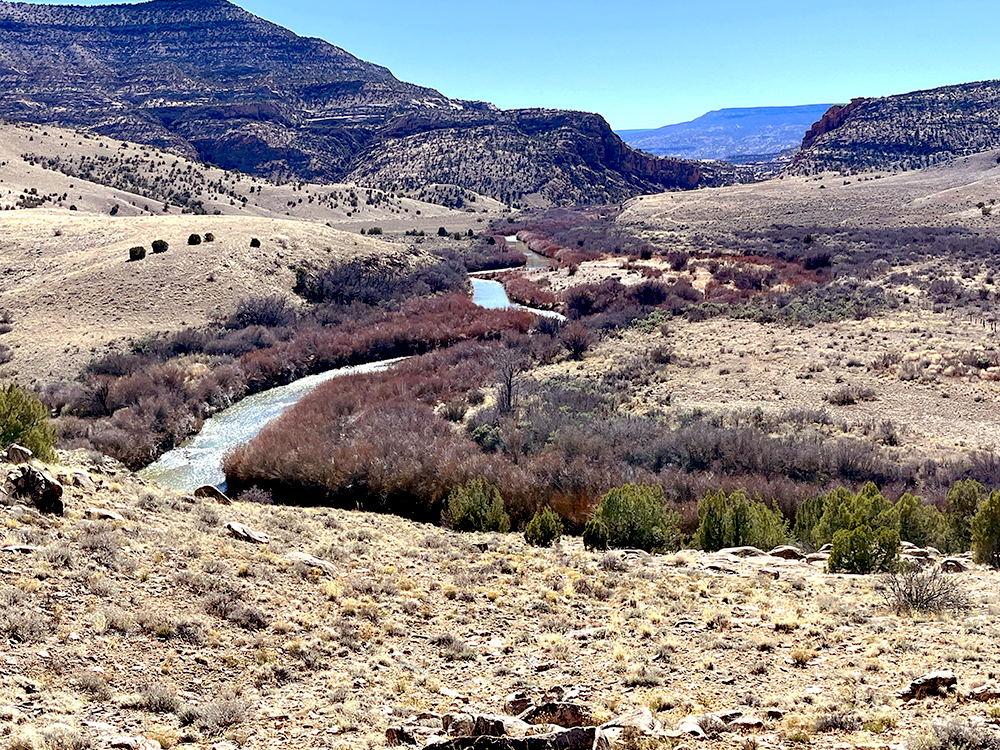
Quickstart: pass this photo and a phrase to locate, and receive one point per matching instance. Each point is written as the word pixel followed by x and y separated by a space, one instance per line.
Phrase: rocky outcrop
pixel 905 131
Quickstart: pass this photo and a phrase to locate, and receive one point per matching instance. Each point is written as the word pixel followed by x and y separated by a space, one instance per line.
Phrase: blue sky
pixel 646 63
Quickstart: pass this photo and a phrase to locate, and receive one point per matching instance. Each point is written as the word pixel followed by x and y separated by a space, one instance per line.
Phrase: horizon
pixel 630 63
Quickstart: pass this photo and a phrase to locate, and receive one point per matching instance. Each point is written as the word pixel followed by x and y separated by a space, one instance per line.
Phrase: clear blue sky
pixel 647 63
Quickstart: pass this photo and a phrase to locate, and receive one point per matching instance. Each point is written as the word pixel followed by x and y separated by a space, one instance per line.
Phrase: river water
pixel 199 461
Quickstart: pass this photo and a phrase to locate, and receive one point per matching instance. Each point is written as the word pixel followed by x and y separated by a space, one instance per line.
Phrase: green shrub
pixel 25 420
pixel 194 239
pixel 209 237
pixel 160 246
pixel 842 510
pixel 963 500
pixel 595 535
pixel 806 520
pixel 254 242
pixel 985 529
pixel 923 525
pixel 476 506
pixel 736 521
pixel 136 253
pixel 544 530
pixel 442 232
pixel 375 230
pixel 863 550
pixel 638 516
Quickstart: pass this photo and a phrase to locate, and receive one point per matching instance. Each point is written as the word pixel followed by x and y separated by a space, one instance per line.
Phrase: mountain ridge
pixel 212 81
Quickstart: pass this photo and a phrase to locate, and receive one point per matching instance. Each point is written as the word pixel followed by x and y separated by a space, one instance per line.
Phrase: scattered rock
pixel 820 557
pixel 691 726
pixel 787 552
pixel 38 486
pixel 209 492
pixel 82 480
pixel 932 683
pixel 240 531
pixel 18 454
pixel 458 725
pixel 774 713
pixel 103 513
pixel 769 573
pixel 135 743
pixel 488 725
pixel 953 565
pixel 564 715
pixel 587 634
pixel 313 562
pixel 639 718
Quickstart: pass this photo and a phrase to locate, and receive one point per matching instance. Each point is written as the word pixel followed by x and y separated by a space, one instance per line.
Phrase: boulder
pixel 517 703
pixel 209 492
pixel 495 725
pixel 985 693
pixel 954 565
pixel 817 557
pixel 746 723
pixel 787 552
pixel 20 549
pixel 578 738
pixel 103 514
pixel 313 562
pixel 82 480
pixel 458 725
pixel 638 718
pixel 564 715
pixel 38 486
pixel 396 736
pixel 240 531
pixel 772 573
pixel 18 454
pixel 932 683
pixel 742 552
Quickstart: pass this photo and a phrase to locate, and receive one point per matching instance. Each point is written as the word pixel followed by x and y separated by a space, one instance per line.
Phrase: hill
pixel 905 131
pixel 210 81
pixel 738 134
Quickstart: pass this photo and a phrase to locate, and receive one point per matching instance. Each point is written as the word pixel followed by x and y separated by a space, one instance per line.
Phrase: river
pixel 199 461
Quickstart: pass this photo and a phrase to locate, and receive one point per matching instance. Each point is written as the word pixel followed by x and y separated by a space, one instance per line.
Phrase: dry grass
pixel 418 612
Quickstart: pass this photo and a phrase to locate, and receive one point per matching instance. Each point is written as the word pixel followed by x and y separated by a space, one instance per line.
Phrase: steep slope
pixel 735 134
pixel 206 79
pixel 905 131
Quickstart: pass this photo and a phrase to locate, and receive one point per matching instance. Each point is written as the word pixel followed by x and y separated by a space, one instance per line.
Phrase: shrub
pixel 962 501
pixel 842 510
pixel 985 529
pixel 806 520
pixel 254 242
pixel 930 590
pixel 209 237
pixel 956 735
pixel 270 311
pixel 737 521
pixel 923 525
pixel 194 239
pixel 595 535
pixel 476 506
pixel 442 232
pixel 636 515
pixel 136 253
pixel 862 550
pixel 544 530
pixel 160 246
pixel 577 338
pixel 25 420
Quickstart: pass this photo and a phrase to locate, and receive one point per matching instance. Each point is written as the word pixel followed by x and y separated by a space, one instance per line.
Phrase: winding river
pixel 199 461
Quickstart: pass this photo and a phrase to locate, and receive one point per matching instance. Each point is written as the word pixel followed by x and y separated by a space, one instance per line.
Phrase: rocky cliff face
pixel 906 131
pixel 209 80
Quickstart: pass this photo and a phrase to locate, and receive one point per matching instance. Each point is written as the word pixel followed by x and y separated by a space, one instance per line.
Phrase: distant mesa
pixel 738 135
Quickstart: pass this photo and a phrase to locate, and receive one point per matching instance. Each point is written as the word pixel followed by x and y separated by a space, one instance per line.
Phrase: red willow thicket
pixel 138 409
pixel 376 442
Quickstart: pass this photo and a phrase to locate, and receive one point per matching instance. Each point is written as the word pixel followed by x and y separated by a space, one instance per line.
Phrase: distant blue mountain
pixel 730 134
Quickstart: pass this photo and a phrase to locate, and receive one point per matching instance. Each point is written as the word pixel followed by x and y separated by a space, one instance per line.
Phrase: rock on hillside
pixel 209 80
pixel 905 131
